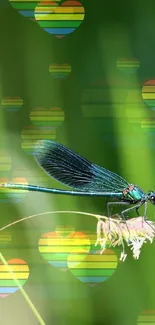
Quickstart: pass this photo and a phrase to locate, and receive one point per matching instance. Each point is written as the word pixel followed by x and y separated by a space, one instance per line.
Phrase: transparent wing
pixel 75 171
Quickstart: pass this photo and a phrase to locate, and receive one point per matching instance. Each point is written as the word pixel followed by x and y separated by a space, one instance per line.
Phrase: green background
pixel 111 30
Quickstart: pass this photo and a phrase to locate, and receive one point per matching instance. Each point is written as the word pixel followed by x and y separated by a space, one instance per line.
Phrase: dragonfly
pixel 85 178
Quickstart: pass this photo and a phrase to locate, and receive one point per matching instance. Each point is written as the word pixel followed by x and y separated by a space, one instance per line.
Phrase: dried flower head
pixel 134 232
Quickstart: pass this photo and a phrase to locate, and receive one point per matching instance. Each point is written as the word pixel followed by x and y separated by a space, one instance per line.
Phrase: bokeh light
pixel 148 125
pixel 148 93
pixel 5 168
pixel 128 65
pixel 69 249
pixel 5 239
pixel 30 135
pixel 5 163
pixel 56 246
pixel 41 178
pixel 12 196
pixel 59 20
pixel 93 267
pixel 21 175
pixel 96 98
pixel 47 118
pixel 4 191
pixel 60 71
pixel 12 104
pixel 20 271
pixel 15 196
pixel 147 317
pixel 25 8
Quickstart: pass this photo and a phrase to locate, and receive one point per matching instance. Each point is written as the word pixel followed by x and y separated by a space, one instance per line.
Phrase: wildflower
pixel 134 232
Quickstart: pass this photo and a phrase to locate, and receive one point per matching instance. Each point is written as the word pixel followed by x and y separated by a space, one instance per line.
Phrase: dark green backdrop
pixel 111 30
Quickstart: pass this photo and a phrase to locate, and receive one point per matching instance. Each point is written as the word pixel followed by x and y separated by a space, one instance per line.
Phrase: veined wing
pixel 75 171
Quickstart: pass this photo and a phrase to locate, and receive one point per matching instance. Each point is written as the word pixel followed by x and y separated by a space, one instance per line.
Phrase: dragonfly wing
pixel 75 171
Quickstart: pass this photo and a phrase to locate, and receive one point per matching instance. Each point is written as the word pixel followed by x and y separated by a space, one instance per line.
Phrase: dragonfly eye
pixel 152 199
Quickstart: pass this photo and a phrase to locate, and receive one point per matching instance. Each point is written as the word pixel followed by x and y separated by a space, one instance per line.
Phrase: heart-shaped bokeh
pixel 55 247
pixel 5 163
pixel 47 118
pixel 128 65
pixel 12 104
pixel 147 317
pixel 60 71
pixel 25 7
pixel 59 20
pixel 10 195
pixel 20 271
pixel 148 125
pixel 30 135
pixel 93 268
pixel 5 239
pixel 41 178
pixel 148 94
pixel 96 100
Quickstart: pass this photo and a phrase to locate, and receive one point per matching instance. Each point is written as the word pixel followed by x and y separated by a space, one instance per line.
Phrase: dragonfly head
pixel 151 197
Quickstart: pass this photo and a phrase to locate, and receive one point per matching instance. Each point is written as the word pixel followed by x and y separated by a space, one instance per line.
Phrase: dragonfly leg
pixel 132 208
pixel 114 203
pixel 137 211
pixel 145 210
pixel 145 215
pixel 137 207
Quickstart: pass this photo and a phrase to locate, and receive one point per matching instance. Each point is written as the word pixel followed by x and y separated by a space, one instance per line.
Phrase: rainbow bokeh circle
pixel 59 20
pixel 55 247
pixel 128 65
pixel 148 93
pixel 19 270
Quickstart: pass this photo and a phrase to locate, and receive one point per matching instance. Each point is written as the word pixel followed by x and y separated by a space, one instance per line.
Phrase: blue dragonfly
pixel 86 178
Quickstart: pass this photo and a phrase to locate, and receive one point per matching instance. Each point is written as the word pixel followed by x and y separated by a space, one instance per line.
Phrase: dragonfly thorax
pixel 133 193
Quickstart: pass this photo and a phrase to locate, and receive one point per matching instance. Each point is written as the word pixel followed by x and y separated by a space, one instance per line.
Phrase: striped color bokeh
pixel 12 104
pixel 62 230
pixel 59 20
pixel 47 118
pixel 5 169
pixel 95 268
pixel 20 271
pixel 148 93
pixel 5 163
pixel 30 135
pixel 60 71
pixel 4 191
pixel 13 196
pixel 41 178
pixel 147 317
pixel 128 66
pixel 25 7
pixel 148 125
pixel 55 247
pixel 5 239
pixel 96 99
